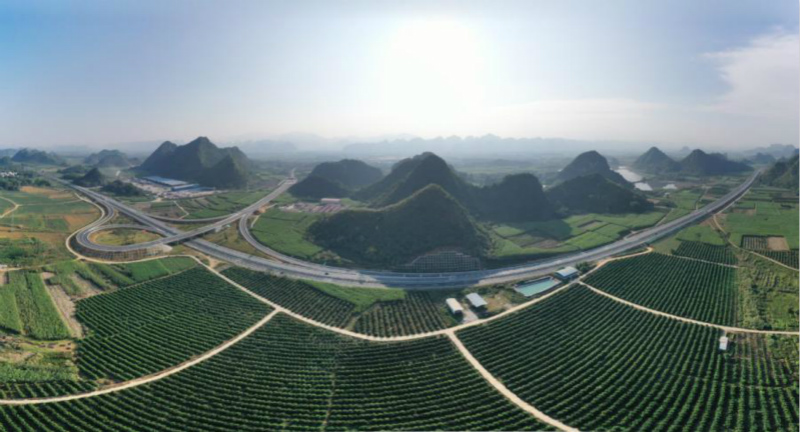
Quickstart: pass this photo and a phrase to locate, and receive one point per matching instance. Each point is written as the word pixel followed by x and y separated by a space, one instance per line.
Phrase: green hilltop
pixel 336 179
pixel 588 163
pixel 700 163
pixel 427 220
pixel 655 161
pixel 200 161
pixel 596 194
pixel 783 174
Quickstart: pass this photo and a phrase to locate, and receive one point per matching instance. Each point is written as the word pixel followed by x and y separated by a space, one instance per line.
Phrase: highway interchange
pixel 292 267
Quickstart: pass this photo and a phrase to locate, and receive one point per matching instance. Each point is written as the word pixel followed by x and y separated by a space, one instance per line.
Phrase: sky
pixel 717 74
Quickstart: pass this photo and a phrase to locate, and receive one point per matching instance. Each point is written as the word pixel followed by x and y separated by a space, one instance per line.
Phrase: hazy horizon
pixel 716 75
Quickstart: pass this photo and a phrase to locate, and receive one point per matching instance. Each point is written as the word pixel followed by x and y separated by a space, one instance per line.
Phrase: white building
pixel 455 307
pixel 567 273
pixel 330 201
pixel 723 343
pixel 476 301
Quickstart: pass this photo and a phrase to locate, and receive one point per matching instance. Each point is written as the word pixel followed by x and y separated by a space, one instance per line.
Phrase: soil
pixel 67 308
pixel 89 289
pixel 777 244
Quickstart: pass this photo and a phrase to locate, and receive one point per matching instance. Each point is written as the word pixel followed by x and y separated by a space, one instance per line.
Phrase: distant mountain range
pixel 109 158
pixel 200 161
pixel 427 220
pixel 32 156
pixel 696 163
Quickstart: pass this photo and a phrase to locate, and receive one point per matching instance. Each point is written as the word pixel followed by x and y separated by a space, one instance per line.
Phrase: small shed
pixel 455 307
pixel 723 343
pixel 567 273
pixel 477 301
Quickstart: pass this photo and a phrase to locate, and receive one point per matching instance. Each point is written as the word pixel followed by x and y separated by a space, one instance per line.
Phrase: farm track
pixel 9 211
pixel 688 320
pixel 704 261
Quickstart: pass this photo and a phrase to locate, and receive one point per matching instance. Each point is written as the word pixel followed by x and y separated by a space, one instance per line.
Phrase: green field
pixel 768 219
pixel 285 232
pixel 596 364
pixel 574 233
pixel 220 204
pixel 769 294
pixel 27 308
pixel 703 234
pixel 291 376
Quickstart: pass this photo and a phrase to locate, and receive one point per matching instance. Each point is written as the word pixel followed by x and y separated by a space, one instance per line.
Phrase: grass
pixel 570 234
pixel 768 294
pixel 286 232
pixel 703 234
pixel 362 298
pixel 36 311
pixel 123 237
pixel 775 221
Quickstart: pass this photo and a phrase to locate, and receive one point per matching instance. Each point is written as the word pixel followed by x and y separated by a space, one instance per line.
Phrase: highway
pixel 293 267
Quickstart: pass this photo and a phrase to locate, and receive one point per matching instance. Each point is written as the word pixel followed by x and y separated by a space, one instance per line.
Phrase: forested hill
pixel 200 161
pixel 700 163
pixel 655 161
pixel 429 219
pixel 596 194
pixel 336 179
pixel 587 163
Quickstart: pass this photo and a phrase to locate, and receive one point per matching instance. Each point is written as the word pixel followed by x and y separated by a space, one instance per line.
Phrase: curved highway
pixel 300 269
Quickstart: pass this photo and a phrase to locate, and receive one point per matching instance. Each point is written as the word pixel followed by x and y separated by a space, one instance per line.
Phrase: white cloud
pixel 762 76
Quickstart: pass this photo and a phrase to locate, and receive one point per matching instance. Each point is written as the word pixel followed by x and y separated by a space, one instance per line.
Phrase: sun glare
pixel 431 65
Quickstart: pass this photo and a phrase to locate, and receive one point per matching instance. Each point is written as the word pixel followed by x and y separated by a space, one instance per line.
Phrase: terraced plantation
pixel 374 312
pixel 597 364
pixel 787 258
pixel 156 325
pixel 416 314
pixel 687 288
pixel 291 376
pixel 706 252
pixel 297 296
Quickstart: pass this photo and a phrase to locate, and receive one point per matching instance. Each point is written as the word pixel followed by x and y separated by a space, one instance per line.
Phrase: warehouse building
pixel 455 307
pixel 477 302
pixel 567 273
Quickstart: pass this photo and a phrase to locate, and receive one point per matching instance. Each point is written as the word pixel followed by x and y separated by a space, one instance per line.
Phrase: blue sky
pixel 709 73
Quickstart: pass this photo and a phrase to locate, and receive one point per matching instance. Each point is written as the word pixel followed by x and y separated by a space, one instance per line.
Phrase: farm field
pixel 567 235
pixel 122 237
pixel 788 258
pixel 27 309
pixel 155 325
pixel 291 376
pixel 692 289
pixel 219 204
pixel 768 294
pixel 376 312
pixel 706 252
pixel 754 217
pixel 285 232
pixel 35 232
pixel 596 364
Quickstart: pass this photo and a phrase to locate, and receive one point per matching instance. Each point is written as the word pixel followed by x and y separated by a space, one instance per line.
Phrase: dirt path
pixel 688 320
pixel 500 387
pixel 145 379
pixel 704 261
pixel 9 211
pixel 66 307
